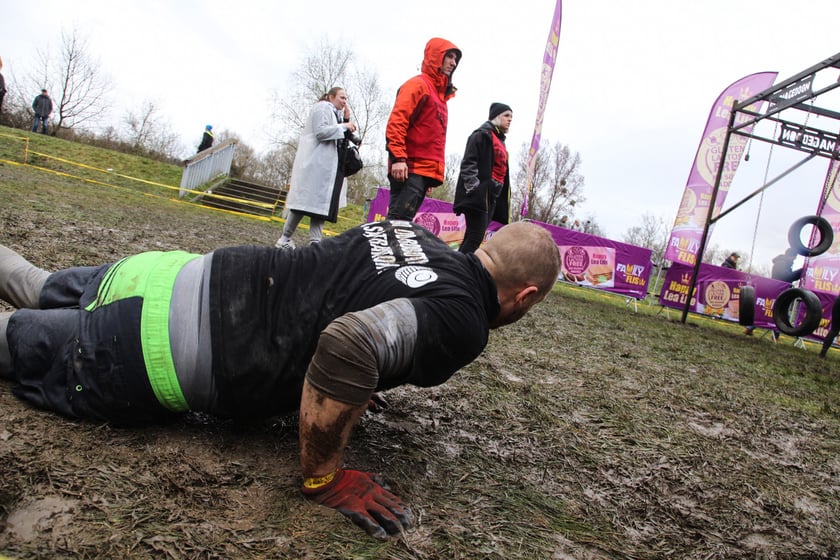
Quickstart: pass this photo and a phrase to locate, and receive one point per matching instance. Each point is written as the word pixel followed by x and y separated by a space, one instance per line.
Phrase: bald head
pixel 519 256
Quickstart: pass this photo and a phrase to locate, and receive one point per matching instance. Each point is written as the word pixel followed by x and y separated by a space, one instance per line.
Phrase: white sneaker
pixel 284 244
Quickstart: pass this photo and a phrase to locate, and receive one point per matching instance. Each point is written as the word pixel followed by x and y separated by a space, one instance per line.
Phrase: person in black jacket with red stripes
pixel 483 190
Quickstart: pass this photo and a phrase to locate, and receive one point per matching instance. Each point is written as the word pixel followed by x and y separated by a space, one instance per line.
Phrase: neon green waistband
pixel 150 276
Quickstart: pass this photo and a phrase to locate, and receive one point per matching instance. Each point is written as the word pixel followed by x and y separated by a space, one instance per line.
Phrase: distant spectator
pixel 577 226
pixel 42 105
pixel 783 267
pixel 206 139
pixel 564 221
pixel 2 87
pixel 731 261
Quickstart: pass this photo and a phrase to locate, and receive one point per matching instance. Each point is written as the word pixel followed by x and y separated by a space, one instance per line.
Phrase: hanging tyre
pixel 746 306
pixel 787 310
pixel 826 233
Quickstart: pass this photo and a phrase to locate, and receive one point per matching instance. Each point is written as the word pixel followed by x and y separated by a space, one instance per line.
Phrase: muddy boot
pixel 5 354
pixel 20 280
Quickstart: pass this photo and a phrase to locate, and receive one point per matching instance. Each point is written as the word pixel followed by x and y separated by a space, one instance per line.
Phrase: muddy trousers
pixel 25 286
pixel 62 362
pixel 407 196
pixel 91 363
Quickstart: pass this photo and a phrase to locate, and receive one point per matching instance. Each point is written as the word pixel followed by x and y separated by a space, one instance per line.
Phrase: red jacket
pixel 416 131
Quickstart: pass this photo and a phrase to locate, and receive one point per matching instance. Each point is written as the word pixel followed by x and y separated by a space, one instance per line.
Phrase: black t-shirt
pixel 269 306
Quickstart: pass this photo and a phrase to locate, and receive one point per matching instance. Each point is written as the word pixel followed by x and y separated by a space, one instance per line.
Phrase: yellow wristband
pixel 319 481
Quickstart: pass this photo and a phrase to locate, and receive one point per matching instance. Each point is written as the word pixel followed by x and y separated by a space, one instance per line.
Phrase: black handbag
pixel 352 160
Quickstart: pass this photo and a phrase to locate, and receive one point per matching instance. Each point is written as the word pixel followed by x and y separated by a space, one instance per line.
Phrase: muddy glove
pixel 363 498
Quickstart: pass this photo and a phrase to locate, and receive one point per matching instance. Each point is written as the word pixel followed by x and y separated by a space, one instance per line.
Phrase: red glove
pixel 364 499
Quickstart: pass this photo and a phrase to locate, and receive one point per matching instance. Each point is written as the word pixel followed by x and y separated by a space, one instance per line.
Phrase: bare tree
pixel 275 167
pixel 591 226
pixel 363 185
pixel 450 179
pixel 80 89
pixel 148 134
pixel 369 110
pixel 323 67
pixel 652 233
pixel 244 158
pixel 556 184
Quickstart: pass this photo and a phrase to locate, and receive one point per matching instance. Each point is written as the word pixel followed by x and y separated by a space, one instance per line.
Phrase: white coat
pixel 317 189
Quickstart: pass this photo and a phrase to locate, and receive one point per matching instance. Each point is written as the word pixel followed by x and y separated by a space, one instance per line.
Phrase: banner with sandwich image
pixel 588 266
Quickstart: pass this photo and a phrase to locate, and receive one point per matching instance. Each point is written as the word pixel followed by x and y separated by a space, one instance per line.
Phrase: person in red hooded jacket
pixel 415 136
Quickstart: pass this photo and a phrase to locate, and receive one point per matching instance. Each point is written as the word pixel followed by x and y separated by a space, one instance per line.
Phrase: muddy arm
pixel 355 352
pixel 325 426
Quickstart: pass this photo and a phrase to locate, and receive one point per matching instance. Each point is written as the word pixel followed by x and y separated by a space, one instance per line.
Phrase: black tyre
pixel 786 310
pixel 746 306
pixel 823 227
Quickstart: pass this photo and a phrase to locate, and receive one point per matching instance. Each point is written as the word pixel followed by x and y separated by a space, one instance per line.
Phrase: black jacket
pixel 206 141
pixel 475 189
pixel 42 105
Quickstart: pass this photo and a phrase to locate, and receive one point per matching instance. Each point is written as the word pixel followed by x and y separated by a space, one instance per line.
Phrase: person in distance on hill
pixel 42 105
pixel 483 189
pixel 251 332
pixel 415 135
pixel 206 139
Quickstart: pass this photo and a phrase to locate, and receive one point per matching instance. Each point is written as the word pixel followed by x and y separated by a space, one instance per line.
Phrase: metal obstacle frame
pixel 788 104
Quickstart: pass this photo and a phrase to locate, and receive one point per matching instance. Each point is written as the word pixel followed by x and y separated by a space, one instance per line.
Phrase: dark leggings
pixel 477 221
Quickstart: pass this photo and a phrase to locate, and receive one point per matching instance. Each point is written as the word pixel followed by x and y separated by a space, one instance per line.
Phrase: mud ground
pixel 573 436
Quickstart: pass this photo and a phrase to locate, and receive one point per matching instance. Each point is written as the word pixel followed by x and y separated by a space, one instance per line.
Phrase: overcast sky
pixel 632 88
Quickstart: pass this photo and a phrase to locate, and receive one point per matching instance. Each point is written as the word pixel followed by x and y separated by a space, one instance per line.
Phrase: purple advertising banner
pixel 588 260
pixel 687 232
pixel 827 302
pixel 717 292
pixel 597 262
pixel 549 58
pixel 822 272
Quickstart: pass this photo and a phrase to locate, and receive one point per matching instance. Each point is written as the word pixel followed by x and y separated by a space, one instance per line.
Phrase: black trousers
pixel 83 364
pixel 407 196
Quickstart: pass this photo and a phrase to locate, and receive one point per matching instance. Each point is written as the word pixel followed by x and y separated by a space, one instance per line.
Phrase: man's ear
pixel 526 294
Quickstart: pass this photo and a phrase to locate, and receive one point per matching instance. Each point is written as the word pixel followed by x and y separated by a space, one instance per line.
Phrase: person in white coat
pixel 318 187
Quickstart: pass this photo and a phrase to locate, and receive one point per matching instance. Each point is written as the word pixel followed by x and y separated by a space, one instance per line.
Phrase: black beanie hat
pixel 497 109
